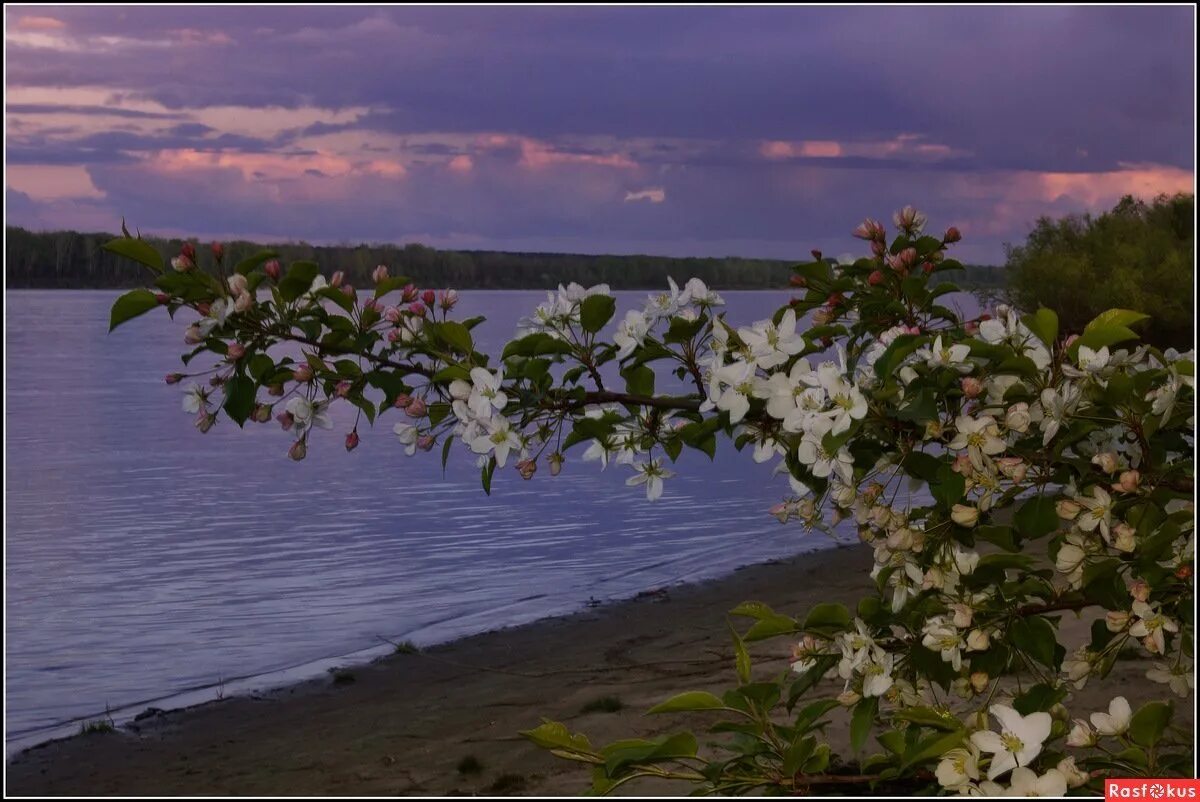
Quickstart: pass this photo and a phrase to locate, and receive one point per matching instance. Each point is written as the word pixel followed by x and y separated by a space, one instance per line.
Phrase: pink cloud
pixel 40 24
pixel 272 166
pixel 461 164
pixel 537 154
pixel 193 36
pixel 900 146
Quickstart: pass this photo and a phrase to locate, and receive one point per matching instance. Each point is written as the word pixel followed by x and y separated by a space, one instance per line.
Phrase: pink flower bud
pixel 428 297
pixel 1128 482
pixel 426 442
pixel 971 327
pixel 927 268
pixel 395 335
pixel 272 269
pixel 352 440
pixel 237 284
pixel 262 413
pixel 556 463
pixel 379 273
pixel 527 468
pixel 162 298
pixel 962 465
pixel 243 302
pixel 402 400
pixel 878 249
pixel 275 390
pixel 971 387
pixel 408 294
pixel 870 230
pixel 298 451
pixel 1105 461
pixel 336 279
pixel 343 389
pixel 1139 590
pixel 1071 340
pixel 952 235
pixel 203 308
pixel 218 251
pixel 816 255
pixel 285 420
pixel 908 257
pixel 392 315
pixel 349 291
pixel 416 408
pixel 174 378
pixel 417 309
pixel 798 281
pixel 182 264
pixel 192 335
pixel 236 351
pixel 302 373
pixel 875 279
pixel 188 251
pixel 449 299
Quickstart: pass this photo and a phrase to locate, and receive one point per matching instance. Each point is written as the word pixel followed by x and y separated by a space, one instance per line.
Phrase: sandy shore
pixel 404 724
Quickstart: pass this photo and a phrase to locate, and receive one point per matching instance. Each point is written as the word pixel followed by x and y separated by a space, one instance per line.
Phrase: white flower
pixel 651 474
pixel 772 344
pixel 195 399
pixel 979 436
pixel 408 437
pixel 812 453
pixel 958 767
pixel 631 333
pixel 1150 626
pixel 1097 511
pixel 877 673
pixel 1071 773
pixel 486 394
pixel 308 414
pixel 1081 734
pixel 944 638
pixel 964 515
pixel 1019 741
pixel 1116 720
pixel 1072 556
pixel 1180 677
pixel 1025 782
pixel 1057 406
pixel 667 304
pixel 946 356
pixel 792 397
pixel 734 385
pixel 498 437
pixel 701 294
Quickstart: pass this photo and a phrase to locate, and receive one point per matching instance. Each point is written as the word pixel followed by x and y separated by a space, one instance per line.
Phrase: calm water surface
pixel 144 559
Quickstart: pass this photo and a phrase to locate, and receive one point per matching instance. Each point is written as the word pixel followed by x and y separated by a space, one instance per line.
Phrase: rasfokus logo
pixel 1151 789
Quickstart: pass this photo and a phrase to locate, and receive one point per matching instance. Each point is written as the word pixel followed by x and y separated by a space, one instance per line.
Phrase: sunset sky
pixel 698 131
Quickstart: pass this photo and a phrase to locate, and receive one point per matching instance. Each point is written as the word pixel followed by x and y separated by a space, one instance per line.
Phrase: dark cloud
pixel 689 95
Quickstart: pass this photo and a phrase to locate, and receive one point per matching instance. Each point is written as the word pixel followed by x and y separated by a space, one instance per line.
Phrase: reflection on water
pixel 145 558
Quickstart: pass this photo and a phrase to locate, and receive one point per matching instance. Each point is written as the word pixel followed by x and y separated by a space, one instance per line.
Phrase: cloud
pixel 43 182
pixel 652 194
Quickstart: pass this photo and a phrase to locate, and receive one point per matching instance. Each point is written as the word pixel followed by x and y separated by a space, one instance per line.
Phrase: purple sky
pixel 697 131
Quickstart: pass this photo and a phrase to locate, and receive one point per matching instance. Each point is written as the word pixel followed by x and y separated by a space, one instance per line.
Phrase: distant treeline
pixel 70 259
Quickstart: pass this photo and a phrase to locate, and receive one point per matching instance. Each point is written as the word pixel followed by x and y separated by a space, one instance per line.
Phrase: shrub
pixel 1138 256
pixel 1055 472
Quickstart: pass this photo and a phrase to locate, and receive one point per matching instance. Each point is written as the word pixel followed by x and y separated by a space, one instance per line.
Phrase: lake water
pixel 145 560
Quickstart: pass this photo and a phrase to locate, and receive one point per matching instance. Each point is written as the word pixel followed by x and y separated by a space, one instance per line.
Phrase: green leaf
pixel 861 720
pixel 1115 317
pixel 950 486
pixel 929 717
pixel 691 700
pixel 258 259
pixel 137 250
pixel 771 627
pixel 453 333
pixel 1043 323
pixel 932 747
pixel 1036 637
pixel 596 311
pixel 827 615
pixel 1039 698
pixel 821 667
pixel 130 305
pixel 1037 517
pixel 553 735
pixel 298 280
pixel 239 398
pixel 1149 723
pixel 741 657
pixel 639 379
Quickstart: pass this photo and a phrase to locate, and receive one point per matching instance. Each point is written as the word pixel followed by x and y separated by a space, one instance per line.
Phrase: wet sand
pixel 406 723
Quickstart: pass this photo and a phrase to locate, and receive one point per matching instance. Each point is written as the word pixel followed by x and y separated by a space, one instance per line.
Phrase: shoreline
pixel 418 723
pixel 274 680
